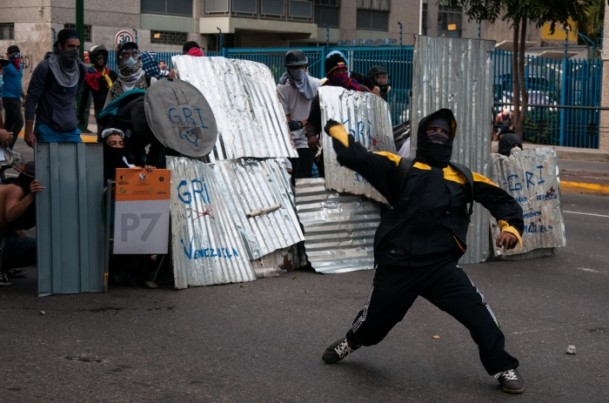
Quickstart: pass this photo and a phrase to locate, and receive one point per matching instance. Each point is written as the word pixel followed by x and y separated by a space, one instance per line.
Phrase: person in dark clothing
pixel 337 75
pixel 98 80
pixel 508 141
pixel 421 238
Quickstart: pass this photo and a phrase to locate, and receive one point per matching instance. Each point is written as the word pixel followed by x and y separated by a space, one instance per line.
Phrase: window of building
pixel 170 7
pixel 327 13
pixel 424 17
pixel 87 29
pixel 373 14
pixel 7 30
pixel 373 20
pixel 168 38
pixel 450 21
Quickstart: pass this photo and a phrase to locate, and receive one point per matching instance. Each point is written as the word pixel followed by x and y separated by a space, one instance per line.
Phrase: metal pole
pixel 219 39
pixel 420 17
pixel 400 24
pixel 80 28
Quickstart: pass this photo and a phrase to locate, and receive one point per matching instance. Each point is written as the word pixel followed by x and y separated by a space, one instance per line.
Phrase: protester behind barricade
pixel 12 93
pixel 18 213
pixel 51 94
pixel 125 109
pixel 152 67
pixel 191 48
pixel 97 82
pixel 337 75
pixel 296 90
pixel 115 153
pixel 508 142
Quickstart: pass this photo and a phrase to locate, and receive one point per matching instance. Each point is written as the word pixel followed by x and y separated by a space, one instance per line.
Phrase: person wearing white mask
pixel 131 75
pixel 296 90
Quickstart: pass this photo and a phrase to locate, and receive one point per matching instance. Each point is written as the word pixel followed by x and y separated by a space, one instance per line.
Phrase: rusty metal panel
pixel 225 215
pixel 339 228
pixel 366 117
pixel 69 218
pixel 243 98
pixel 457 74
pixel 531 176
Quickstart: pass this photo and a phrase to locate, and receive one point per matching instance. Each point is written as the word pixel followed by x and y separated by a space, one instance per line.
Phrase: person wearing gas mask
pixel 296 90
pixel 12 92
pixel 124 108
pixel 98 81
pixel 52 92
pixel 18 213
pixel 422 236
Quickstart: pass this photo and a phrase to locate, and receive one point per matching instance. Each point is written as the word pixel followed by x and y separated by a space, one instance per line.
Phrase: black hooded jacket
pixel 428 219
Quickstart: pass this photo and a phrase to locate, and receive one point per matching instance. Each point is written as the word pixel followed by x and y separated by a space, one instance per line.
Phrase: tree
pixel 518 14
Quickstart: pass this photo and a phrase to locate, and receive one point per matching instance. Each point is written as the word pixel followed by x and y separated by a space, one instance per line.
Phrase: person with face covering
pixel 12 92
pixel 98 81
pixel 52 92
pixel 296 90
pixel 18 213
pixel 337 75
pixel 421 238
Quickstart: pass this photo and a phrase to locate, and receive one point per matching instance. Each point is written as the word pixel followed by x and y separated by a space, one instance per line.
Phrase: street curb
pixel 580 187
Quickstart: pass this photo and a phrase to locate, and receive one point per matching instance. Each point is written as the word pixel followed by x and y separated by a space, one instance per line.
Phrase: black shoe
pixel 511 381
pixel 4 281
pixel 15 273
pixel 337 351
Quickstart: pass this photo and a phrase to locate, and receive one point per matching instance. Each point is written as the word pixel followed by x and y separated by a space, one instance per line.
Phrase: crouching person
pixel 18 213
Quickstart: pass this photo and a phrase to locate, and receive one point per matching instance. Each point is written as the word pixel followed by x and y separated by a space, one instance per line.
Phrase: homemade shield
pixel 180 117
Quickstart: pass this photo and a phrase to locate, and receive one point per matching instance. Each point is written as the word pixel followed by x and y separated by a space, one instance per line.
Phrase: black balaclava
pixel 433 153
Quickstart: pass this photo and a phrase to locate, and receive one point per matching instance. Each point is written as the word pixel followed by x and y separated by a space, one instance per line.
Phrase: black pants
pixel 13 118
pixel 302 167
pixel 446 286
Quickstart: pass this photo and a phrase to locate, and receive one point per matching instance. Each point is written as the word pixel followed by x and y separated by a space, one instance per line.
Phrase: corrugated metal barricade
pixel 232 211
pixel 339 223
pixel 531 176
pixel 457 74
pixel 69 224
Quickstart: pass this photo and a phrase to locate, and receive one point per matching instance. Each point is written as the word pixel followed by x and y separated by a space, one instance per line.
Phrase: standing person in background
pixel 98 80
pixel 296 90
pixel 12 92
pixel 379 78
pixel 51 95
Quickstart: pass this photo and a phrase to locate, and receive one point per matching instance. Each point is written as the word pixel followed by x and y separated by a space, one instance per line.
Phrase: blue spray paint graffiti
pixel 189 191
pixel 192 119
pixel 203 253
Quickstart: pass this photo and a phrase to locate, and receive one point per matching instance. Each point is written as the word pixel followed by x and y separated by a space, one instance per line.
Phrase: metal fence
pixel 564 94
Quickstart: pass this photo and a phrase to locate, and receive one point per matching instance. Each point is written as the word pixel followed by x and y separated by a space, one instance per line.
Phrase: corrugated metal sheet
pixel 339 228
pixel 458 74
pixel 243 97
pixel 226 214
pixel 366 117
pixel 69 218
pixel 531 176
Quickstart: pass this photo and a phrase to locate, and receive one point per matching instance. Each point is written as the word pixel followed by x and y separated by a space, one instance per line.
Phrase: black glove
pixel 329 124
pixel 295 125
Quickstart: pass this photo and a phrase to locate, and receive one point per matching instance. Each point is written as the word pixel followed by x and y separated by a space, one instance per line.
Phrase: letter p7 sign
pixel 141 215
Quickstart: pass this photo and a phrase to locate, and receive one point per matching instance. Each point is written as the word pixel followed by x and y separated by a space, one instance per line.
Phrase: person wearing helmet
pixel 296 90
pixel 98 80
pixel 419 241
pixel 378 77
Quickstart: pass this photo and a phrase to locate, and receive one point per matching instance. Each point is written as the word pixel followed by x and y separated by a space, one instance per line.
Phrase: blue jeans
pixel 45 134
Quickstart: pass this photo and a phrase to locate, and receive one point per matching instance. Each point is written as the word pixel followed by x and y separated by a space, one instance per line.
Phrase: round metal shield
pixel 180 117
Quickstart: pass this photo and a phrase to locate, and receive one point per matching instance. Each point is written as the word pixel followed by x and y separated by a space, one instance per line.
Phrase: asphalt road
pixel 262 341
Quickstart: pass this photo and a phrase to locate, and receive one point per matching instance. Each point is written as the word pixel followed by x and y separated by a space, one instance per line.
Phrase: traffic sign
pixel 123 36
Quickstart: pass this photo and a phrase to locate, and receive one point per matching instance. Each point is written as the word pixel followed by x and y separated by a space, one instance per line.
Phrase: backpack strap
pixel 465 171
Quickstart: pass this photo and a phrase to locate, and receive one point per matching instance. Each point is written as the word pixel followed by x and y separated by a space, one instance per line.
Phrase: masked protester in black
pixel 421 238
